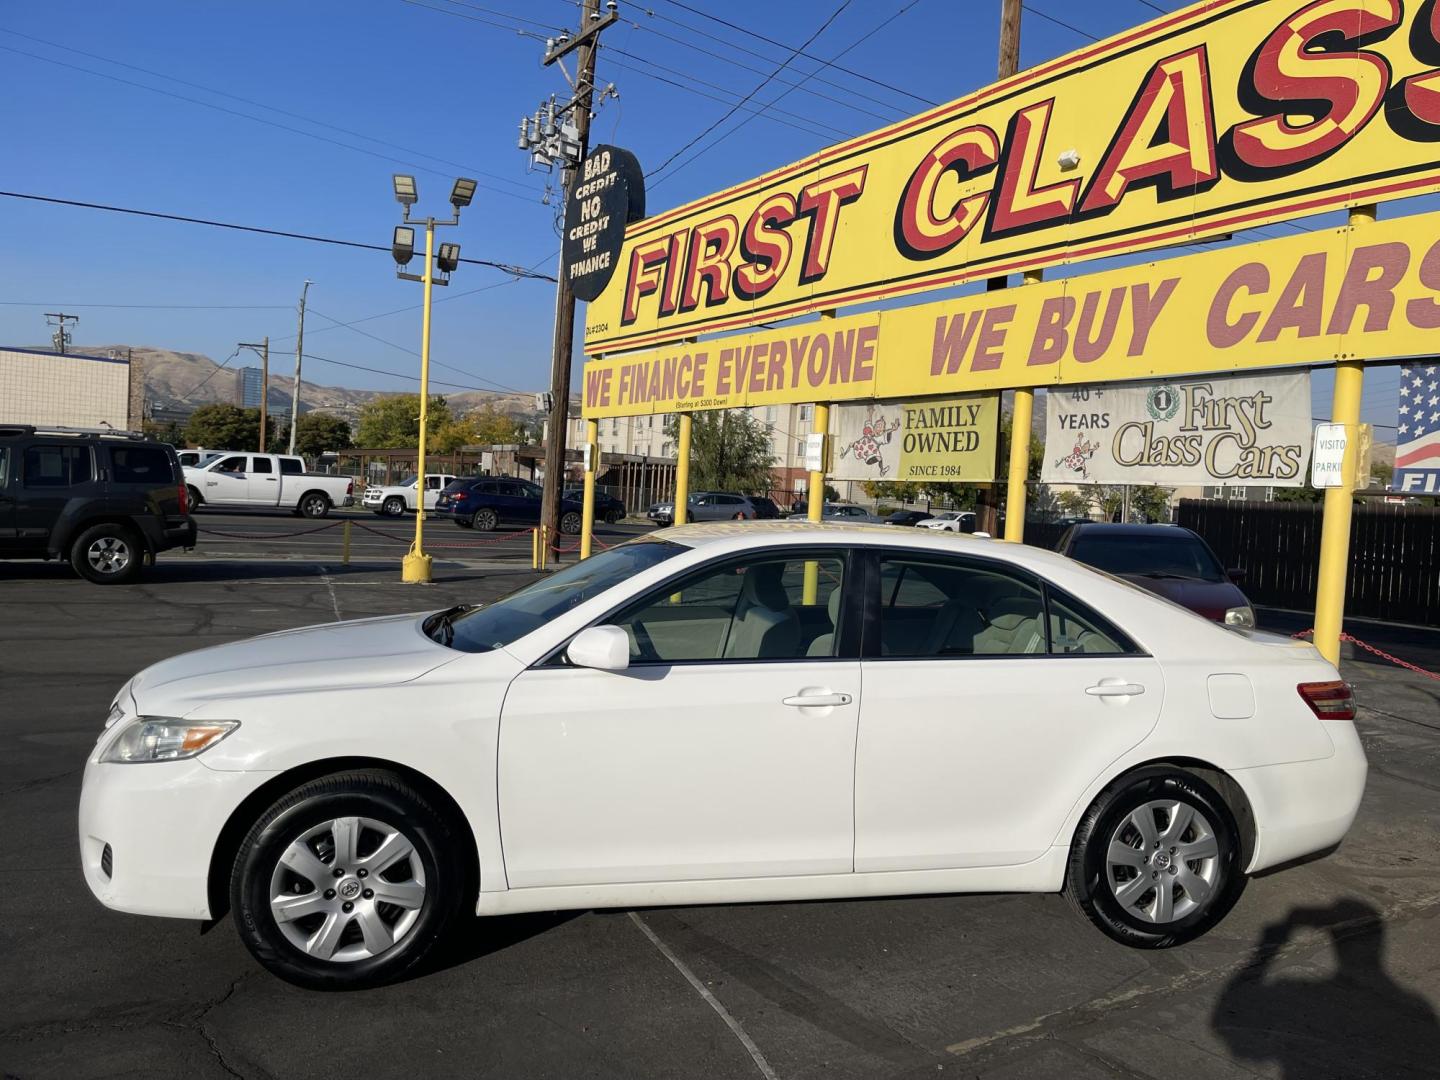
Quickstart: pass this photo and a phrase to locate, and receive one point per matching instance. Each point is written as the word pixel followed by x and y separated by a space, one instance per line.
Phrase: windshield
pixel 510 619
pixel 1168 554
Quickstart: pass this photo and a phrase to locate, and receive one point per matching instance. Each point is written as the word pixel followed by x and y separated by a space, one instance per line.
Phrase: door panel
pixel 262 485
pixel 673 773
pixel 977 762
pixel 8 542
pixel 228 481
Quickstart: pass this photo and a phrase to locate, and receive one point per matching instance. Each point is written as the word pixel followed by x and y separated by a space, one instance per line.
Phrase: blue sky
pixel 406 79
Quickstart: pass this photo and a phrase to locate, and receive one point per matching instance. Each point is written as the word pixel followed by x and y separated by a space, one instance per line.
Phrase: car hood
pixel 1209 598
pixel 364 652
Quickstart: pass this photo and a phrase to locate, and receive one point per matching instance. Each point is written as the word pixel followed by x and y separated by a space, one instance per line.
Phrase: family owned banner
pixel 945 440
pixel 1247 429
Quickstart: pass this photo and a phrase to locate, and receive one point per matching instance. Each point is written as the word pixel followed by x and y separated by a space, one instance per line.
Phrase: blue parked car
pixel 487 502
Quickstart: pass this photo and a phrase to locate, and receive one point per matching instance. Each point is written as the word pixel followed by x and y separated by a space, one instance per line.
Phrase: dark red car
pixel 1170 561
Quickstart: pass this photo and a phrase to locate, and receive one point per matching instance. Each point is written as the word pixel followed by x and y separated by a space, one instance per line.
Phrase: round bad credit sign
pixel 608 194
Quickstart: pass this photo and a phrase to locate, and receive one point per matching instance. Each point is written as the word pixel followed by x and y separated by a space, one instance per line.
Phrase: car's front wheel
pixel 570 523
pixel 1156 859
pixel 347 881
pixel 393 506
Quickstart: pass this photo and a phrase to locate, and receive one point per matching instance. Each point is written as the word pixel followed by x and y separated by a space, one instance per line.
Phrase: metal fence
pixel 1394 572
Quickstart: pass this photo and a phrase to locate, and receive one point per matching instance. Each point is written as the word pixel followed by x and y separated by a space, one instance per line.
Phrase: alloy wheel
pixel 1163 861
pixel 347 889
pixel 108 555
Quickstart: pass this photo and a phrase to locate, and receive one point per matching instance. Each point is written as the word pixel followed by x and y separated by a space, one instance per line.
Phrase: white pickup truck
pixel 393 500
pixel 256 481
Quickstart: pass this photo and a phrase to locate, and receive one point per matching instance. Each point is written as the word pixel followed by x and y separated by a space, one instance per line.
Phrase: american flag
pixel 1418 426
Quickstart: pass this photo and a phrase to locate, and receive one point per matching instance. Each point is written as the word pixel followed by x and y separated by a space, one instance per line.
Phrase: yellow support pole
pixel 587 512
pixel 535 548
pixel 682 470
pixel 1335 525
pixel 416 566
pixel 815 503
pixel 1021 416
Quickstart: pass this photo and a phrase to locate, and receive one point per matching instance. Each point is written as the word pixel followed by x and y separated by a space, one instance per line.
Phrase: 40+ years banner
pixel 1218 430
pixel 1219 117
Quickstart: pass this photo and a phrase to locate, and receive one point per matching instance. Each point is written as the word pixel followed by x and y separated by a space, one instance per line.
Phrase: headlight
pixel 1241 616
pixel 161 738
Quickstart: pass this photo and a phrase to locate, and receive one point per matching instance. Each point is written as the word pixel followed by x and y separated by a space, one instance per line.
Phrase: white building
pixel 70 390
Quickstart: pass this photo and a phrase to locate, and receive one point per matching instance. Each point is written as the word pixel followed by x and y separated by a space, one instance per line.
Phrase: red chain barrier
pixel 1377 652
pixel 501 539
pixel 269 535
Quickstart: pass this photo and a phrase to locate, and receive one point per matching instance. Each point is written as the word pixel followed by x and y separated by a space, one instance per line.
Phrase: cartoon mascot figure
pixel 874 434
pixel 1078 460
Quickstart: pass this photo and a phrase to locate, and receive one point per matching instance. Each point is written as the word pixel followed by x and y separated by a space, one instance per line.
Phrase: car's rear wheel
pixel 347 881
pixel 612 516
pixel 393 506
pixel 314 504
pixel 195 499
pixel 107 554
pixel 1156 859
pixel 485 520
pixel 570 523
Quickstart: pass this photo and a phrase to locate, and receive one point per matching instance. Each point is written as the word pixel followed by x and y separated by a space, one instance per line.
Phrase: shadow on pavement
pixel 478 936
pixel 1356 1022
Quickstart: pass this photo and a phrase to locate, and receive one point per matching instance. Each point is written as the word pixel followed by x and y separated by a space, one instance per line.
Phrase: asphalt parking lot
pixel 1327 970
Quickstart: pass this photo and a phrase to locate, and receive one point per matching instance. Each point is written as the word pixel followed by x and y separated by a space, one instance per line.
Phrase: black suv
pixel 104 501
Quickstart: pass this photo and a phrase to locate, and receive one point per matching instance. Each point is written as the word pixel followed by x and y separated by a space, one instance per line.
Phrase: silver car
pixel 706 506
pixel 850 514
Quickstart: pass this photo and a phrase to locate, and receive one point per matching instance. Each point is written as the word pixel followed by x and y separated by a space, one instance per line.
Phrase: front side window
pixel 141 465
pixel 57 466
pixel 750 609
pixel 234 464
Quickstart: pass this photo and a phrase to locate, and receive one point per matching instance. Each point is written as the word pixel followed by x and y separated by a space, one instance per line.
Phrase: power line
pixel 505 15
pixel 262 105
pixel 394 374
pixel 1059 22
pixel 1153 7
pixel 516 271
pixel 854 44
pixel 202 382
pixel 151 307
pixel 759 86
pixel 476 18
pixel 247 116
pixel 412 352
pixel 799 52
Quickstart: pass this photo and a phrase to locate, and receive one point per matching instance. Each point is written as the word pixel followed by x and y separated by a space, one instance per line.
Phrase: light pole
pixel 416 567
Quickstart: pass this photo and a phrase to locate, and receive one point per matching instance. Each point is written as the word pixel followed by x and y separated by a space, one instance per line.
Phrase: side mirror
pixel 1236 575
pixel 604 648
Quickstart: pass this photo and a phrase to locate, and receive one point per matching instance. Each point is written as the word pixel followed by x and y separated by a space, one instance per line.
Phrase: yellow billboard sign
pixel 1371 291
pixel 1220 117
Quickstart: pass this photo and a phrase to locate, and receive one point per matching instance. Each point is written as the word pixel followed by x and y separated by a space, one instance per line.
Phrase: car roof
pixel 1104 528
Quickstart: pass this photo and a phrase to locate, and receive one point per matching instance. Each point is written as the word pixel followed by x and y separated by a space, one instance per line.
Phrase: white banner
pixel 1243 429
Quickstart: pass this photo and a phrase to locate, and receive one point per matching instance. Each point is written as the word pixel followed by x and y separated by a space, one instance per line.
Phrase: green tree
pixel 227 427
pixel 393 422
pixel 171 432
pixel 728 452
pixel 1074 503
pixel 1148 502
pixel 491 427
pixel 316 432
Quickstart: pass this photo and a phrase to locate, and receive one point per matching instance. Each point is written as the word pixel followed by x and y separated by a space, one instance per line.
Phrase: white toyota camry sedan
pixel 721 713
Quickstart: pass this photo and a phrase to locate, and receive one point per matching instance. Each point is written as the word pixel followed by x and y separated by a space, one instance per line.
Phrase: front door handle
pixel 1116 689
pixel 272 479
pixel 810 701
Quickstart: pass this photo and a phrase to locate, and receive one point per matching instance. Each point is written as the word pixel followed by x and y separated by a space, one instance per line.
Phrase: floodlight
pixel 403 245
pixel 448 258
pixel 462 193
pixel 405 190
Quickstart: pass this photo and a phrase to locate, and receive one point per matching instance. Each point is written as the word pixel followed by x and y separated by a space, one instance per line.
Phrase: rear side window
pixel 1075 628
pixel 57 466
pixel 291 467
pixel 261 465
pixel 140 465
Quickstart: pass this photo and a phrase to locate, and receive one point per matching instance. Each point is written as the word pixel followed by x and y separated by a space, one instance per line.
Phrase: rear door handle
pixel 804 701
pixel 1119 689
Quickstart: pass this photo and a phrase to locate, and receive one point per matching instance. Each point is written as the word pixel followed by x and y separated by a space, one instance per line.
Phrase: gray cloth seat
pixel 765 625
pixel 1015 627
pixel 824 645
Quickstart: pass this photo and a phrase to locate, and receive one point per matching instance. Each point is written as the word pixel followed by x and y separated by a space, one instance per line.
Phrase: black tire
pixel 1088 882
pixel 195 498
pixel 313 504
pixel 394 506
pixel 368 793
pixel 612 516
pixel 485 520
pixel 107 554
pixel 571 522
pixel 464 522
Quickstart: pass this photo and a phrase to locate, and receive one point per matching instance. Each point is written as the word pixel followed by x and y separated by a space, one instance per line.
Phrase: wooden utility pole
pixel 987 512
pixel 581 103
pixel 299 353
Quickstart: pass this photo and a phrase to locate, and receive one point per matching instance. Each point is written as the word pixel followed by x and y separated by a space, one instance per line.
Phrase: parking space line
pixel 710 999
pixel 330 585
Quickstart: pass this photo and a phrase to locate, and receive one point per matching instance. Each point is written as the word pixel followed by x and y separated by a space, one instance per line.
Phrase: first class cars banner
pixel 1217 118
pixel 1369 291
pixel 1217 430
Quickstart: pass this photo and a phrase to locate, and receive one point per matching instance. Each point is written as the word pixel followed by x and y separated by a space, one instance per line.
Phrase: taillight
pixel 184 499
pixel 350 488
pixel 460 496
pixel 1329 700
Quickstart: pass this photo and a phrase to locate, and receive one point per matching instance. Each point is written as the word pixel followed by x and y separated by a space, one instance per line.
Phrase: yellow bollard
pixel 587 514
pixel 535 548
pixel 345 544
pixel 682 470
pixel 815 507
pixel 1335 524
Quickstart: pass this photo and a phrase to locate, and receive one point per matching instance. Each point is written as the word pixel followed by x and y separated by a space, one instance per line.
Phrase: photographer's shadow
pixel 1357 1022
